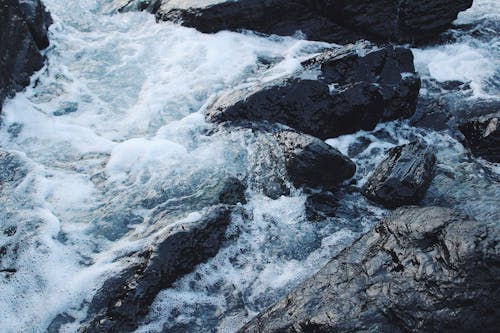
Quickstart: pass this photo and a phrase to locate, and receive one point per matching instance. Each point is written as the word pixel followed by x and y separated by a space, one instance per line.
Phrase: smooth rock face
pixel 403 177
pixel 23 33
pixel 311 162
pixel 124 299
pixel 308 161
pixel 482 136
pixel 338 21
pixel 421 270
pixel 358 87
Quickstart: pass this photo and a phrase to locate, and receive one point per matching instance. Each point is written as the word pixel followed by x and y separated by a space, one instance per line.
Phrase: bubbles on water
pixel 470 54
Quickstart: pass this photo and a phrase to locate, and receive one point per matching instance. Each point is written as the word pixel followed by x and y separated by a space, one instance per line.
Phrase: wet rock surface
pixel 313 163
pixel 421 269
pixel 309 162
pixel 358 87
pixel 403 177
pixel 321 206
pixel 23 34
pixel 482 137
pixel 126 297
pixel 336 21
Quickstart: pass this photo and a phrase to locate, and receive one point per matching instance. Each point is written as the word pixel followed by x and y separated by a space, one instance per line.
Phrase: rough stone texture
pixel 482 136
pixel 339 21
pixel 403 177
pixel 420 270
pixel 125 298
pixel 23 33
pixel 358 87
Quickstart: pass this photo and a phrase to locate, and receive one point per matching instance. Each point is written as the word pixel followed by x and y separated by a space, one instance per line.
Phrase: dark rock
pixel 421 270
pixel 125 298
pixel 321 206
pixel 358 87
pixel 403 177
pixel 338 21
pixel 359 146
pixel 23 33
pixel 482 136
pixel 311 162
pixel 308 161
pixel 232 192
pixel 38 20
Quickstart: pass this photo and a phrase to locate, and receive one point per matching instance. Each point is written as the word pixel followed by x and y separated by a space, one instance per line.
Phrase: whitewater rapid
pixel 113 125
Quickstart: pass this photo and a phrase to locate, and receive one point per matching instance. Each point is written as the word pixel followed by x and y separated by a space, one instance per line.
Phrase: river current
pixel 112 128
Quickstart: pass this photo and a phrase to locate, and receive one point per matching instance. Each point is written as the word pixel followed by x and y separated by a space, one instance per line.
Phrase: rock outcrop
pixel 338 21
pixel 125 298
pixel 482 136
pixel 23 33
pixel 358 86
pixel 420 270
pixel 403 177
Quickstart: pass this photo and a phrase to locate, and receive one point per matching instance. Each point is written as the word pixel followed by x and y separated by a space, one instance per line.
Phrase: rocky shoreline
pixel 420 269
pixel 23 34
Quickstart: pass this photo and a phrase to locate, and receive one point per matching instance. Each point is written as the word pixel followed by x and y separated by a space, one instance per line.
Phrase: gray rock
pixel 358 87
pixel 23 33
pixel 403 177
pixel 125 298
pixel 420 270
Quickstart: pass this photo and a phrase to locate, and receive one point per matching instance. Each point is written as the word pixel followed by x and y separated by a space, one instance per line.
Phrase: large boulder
pixel 358 86
pixel 23 33
pixel 338 21
pixel 482 136
pixel 420 270
pixel 403 176
pixel 125 298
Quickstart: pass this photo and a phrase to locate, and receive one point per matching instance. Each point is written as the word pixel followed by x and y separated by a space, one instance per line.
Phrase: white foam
pixel 114 119
pixel 457 62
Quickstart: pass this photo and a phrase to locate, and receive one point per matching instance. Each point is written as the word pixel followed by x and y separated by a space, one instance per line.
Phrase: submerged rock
pixel 482 136
pixel 124 299
pixel 336 21
pixel 321 206
pixel 358 86
pixel 403 177
pixel 12 169
pixel 420 270
pixel 23 33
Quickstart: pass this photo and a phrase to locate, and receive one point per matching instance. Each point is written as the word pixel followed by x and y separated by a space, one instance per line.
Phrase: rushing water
pixel 111 129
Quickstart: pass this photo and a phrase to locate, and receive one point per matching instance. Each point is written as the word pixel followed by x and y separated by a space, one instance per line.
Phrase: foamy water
pixel 111 130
